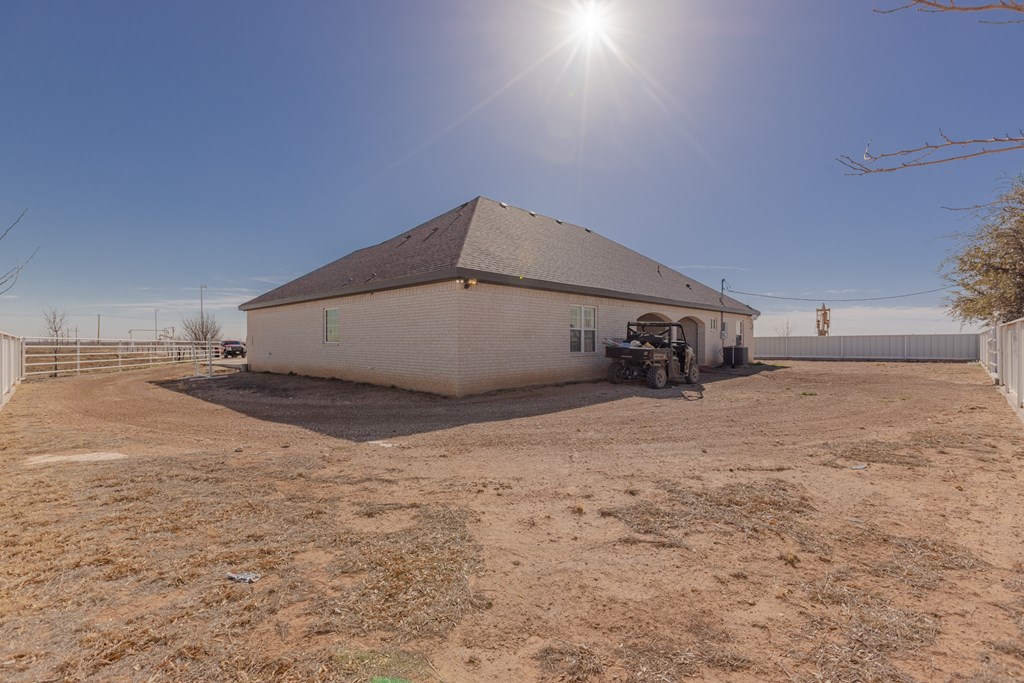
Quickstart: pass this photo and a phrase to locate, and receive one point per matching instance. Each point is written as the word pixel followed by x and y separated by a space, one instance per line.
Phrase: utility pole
pixel 721 300
pixel 156 333
pixel 97 327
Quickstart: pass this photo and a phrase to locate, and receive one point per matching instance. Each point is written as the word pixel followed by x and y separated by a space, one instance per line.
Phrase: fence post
pixel 78 356
pixel 1020 365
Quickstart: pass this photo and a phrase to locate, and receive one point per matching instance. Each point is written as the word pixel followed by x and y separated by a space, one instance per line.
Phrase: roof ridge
pixel 469 226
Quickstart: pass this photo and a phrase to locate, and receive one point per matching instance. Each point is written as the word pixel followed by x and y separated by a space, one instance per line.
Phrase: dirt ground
pixel 817 522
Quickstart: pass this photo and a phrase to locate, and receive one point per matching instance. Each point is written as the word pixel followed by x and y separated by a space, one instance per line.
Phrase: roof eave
pixel 363 288
pixel 497 279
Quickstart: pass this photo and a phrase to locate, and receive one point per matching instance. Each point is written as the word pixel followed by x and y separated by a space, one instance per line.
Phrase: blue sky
pixel 160 146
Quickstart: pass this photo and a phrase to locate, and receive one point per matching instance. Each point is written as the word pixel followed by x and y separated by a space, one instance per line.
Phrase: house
pixel 486 296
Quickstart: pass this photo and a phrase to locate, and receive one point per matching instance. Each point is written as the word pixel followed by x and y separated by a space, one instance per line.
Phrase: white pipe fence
pixel 897 347
pixel 43 356
pixel 11 370
pixel 1002 354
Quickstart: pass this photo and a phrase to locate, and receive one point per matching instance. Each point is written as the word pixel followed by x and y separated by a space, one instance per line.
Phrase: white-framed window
pixel 714 323
pixel 332 326
pixel 582 329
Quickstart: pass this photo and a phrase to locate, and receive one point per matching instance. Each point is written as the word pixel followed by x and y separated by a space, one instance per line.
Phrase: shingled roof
pixel 497 243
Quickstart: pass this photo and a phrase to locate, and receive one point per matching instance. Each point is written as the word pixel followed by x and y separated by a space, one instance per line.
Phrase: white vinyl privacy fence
pixel 1002 354
pixel 910 347
pixel 11 371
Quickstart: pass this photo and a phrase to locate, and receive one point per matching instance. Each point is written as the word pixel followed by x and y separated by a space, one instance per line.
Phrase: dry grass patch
pixel 662 659
pixel 875 451
pixel 919 561
pixel 758 508
pixel 569 663
pixel 858 632
pixel 137 582
pixel 413 583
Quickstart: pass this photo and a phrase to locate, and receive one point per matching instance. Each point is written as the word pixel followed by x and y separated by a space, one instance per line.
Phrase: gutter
pixel 497 279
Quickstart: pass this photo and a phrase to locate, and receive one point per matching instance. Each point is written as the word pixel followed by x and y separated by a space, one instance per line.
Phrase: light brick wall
pixel 446 339
pixel 403 337
pixel 513 336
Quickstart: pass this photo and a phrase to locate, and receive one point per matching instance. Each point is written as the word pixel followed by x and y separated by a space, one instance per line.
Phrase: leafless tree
pixel 8 279
pixel 55 327
pixel 203 328
pixel 947 148
pixel 55 324
pixel 786 329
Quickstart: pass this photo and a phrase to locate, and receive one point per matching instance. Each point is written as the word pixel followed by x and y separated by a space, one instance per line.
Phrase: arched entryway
pixel 655 318
pixel 693 328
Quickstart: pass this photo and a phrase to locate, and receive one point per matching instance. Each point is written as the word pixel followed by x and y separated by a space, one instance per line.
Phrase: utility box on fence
pixel 736 355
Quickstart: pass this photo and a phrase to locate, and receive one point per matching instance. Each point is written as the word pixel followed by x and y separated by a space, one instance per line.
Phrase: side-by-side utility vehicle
pixel 655 352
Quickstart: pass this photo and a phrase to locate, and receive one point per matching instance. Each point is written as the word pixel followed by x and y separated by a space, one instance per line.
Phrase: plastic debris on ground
pixel 243 577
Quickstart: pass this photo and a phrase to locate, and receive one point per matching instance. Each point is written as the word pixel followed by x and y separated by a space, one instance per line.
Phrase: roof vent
pixel 588 229
pixel 503 205
pixel 533 213
pixel 688 286
pixel 560 222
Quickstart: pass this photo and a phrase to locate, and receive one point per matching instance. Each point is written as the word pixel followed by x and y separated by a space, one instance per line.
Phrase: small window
pixel 332 326
pixel 582 329
pixel 714 323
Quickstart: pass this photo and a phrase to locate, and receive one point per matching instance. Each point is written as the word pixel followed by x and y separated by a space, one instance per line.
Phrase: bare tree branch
pixel 952 6
pixel 923 155
pixel 786 329
pixel 55 324
pixel 948 150
pixel 11 226
pixel 10 278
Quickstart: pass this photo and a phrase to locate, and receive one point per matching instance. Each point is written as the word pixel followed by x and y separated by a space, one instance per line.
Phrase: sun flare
pixel 592 21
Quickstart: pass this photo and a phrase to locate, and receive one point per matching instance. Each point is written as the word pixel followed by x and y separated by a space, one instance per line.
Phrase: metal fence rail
pixel 60 357
pixel 898 347
pixel 1002 354
pixel 11 370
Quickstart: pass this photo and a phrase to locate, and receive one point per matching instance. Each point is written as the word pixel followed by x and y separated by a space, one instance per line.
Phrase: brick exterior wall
pixel 445 339
pixel 405 337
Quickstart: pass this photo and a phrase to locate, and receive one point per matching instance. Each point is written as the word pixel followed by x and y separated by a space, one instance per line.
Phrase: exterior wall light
pixel 469 283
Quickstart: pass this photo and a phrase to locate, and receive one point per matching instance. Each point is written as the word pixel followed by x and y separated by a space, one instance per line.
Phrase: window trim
pixel 582 329
pixel 326 330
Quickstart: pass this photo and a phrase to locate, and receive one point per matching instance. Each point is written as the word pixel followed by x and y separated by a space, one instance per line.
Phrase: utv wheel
pixel 693 375
pixel 616 373
pixel 657 378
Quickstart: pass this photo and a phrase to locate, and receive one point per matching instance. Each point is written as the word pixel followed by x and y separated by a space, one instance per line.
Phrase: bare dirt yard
pixel 816 522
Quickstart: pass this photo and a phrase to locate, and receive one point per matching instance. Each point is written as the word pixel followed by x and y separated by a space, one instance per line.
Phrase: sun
pixel 592 21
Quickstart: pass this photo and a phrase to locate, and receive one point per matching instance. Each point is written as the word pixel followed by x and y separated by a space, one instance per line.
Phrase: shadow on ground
pixel 363 412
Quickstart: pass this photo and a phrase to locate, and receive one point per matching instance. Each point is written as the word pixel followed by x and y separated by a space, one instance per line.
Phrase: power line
pixel 873 298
